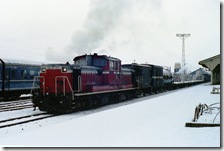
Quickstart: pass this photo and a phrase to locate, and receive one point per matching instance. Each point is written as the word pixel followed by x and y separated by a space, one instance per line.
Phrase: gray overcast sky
pixel 141 30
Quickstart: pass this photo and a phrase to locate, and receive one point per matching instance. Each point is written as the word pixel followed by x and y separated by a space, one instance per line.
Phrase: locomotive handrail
pixel 79 84
pixel 56 88
pixel 64 77
pixel 36 78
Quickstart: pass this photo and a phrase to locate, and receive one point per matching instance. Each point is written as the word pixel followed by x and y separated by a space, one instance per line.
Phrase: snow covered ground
pixel 151 121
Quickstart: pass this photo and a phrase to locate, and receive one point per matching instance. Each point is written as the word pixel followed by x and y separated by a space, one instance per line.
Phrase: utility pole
pixel 183 37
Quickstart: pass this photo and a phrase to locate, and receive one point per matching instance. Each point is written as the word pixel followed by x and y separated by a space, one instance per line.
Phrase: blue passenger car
pixel 16 78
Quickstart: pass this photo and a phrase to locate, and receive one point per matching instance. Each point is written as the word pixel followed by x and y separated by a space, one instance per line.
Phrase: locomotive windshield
pixel 81 62
pixel 99 62
pixel 90 61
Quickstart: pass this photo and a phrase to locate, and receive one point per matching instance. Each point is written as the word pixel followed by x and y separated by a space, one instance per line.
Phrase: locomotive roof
pixel 157 66
pixel 142 65
pixel 135 64
pixel 90 67
pixel 167 72
pixel 95 54
pixel 71 66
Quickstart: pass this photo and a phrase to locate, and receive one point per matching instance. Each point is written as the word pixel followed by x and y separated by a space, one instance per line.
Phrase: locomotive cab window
pixel 99 62
pixel 114 65
pixel 81 62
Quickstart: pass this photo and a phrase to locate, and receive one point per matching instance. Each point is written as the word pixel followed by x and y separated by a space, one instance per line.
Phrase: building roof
pixel 205 61
pixel 201 71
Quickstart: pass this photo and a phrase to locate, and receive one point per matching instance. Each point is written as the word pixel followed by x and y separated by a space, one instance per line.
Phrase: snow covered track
pixel 15 105
pixel 23 119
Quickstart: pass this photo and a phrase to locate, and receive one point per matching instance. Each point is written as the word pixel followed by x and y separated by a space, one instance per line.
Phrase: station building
pixel 212 64
pixel 200 74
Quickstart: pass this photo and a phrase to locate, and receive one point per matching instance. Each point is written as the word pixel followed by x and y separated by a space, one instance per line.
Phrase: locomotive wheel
pixel 121 97
pixel 95 103
pixel 105 100
pixel 41 108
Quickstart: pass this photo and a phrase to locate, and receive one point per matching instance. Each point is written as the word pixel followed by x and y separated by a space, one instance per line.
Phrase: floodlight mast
pixel 183 37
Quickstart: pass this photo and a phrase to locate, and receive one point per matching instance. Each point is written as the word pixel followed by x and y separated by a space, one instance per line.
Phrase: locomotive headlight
pixel 43 69
pixel 64 69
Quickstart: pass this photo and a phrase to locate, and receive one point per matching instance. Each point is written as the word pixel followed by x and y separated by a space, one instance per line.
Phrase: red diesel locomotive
pixel 92 80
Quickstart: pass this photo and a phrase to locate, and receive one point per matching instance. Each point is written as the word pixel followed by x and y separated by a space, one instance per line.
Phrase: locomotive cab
pixel 100 73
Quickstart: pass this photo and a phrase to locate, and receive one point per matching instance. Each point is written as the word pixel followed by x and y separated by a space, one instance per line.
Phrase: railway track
pixel 15 105
pixel 24 119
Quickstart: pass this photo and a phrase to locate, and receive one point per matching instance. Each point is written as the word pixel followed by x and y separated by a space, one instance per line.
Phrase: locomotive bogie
pixel 97 99
pixel 52 103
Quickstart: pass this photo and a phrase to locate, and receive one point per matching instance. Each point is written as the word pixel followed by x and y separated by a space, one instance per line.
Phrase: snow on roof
pixel 24 62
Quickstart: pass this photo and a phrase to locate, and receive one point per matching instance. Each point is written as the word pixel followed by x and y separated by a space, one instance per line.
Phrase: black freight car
pixel 141 77
pixel 157 77
pixel 147 77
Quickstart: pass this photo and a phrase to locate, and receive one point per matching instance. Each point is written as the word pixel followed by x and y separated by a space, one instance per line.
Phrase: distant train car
pixel 167 78
pixel 141 77
pixel 157 77
pixel 16 78
pixel 148 78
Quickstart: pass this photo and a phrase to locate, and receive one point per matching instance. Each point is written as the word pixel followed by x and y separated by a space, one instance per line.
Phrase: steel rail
pixel 26 121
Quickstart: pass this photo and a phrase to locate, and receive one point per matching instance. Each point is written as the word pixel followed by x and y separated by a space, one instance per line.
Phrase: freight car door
pixel 77 80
